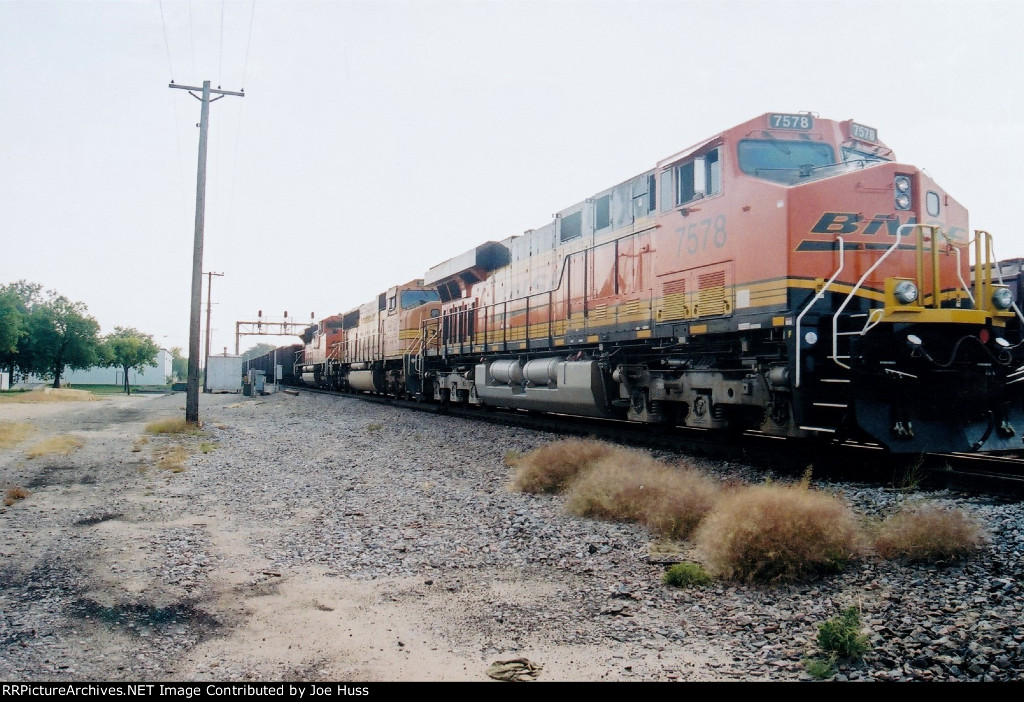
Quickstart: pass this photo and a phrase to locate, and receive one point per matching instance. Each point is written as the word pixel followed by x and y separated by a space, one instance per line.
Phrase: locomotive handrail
pixel 990 252
pixel 817 296
pixel 875 318
pixel 982 276
pixel 959 275
pixel 453 315
pixel 418 350
pixel 853 291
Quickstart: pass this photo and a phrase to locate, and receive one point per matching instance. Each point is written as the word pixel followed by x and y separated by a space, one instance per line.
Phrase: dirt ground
pixel 105 525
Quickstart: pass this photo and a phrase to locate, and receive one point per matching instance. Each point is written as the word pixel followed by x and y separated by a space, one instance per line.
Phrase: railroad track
pixel 1001 475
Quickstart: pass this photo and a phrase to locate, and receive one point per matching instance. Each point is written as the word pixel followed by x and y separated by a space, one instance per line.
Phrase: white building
pixel 157 374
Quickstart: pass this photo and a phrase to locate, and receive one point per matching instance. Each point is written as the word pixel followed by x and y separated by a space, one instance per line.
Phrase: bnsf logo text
pixel 854 222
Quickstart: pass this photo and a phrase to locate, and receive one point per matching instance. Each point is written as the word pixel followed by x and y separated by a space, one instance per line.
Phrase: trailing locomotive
pixel 787 276
pixel 370 348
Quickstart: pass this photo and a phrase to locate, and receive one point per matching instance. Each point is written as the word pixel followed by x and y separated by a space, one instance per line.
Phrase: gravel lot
pixel 326 538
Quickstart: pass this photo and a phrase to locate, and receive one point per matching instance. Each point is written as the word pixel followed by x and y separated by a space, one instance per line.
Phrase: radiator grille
pixel 673 305
pixel 711 298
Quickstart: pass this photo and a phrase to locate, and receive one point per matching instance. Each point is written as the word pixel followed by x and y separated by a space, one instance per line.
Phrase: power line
pixel 238 130
pixel 220 64
pixel 241 109
pixel 174 104
pixel 167 45
pixel 248 43
pixel 191 39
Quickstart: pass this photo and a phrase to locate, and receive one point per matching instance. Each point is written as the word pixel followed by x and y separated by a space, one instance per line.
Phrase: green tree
pixel 179 364
pixel 17 301
pixel 60 333
pixel 10 323
pixel 127 348
pixel 257 351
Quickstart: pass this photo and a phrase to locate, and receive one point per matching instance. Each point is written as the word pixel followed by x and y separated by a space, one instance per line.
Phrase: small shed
pixel 224 374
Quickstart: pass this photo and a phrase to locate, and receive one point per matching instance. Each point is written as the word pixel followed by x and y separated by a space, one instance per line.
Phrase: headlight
pixel 905 291
pixel 1002 298
pixel 901 184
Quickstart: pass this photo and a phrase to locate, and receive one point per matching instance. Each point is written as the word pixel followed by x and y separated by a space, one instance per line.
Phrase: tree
pixel 10 323
pixel 257 351
pixel 179 364
pixel 128 348
pixel 17 301
pixel 60 333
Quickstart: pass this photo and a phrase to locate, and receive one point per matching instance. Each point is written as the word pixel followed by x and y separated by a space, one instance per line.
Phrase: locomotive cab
pixel 382 334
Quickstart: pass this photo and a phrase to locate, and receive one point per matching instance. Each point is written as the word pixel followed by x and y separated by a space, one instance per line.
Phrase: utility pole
pixel 209 303
pixel 192 391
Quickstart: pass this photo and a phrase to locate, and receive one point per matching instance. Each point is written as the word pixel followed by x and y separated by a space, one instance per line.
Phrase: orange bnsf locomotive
pixel 786 276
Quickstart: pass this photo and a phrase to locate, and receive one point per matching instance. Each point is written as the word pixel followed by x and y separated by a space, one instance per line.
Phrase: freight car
pixel 787 276
pixel 283 356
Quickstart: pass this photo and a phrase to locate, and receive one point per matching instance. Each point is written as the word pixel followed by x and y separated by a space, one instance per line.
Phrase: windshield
pixel 415 298
pixel 759 155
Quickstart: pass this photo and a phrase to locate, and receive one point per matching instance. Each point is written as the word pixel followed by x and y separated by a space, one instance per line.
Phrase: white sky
pixel 377 139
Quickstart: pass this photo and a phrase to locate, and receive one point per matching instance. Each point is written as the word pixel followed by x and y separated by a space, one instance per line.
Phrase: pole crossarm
pixel 216 91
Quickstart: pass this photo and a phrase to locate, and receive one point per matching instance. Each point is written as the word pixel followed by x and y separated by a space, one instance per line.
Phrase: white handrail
pixel 853 292
pixel 817 296
pixel 966 287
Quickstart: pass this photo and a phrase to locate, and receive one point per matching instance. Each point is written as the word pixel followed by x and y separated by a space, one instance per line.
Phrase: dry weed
pixel 175 425
pixel 62 445
pixel 14 494
pixel 634 487
pixel 928 533
pixel 770 533
pixel 551 467
pixel 171 458
pixel 48 395
pixel 12 433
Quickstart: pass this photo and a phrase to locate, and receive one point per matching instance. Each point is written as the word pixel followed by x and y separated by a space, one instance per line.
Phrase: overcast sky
pixel 376 139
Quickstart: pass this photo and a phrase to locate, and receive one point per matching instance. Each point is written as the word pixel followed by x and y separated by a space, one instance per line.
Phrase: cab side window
pixel 713 172
pixel 693 178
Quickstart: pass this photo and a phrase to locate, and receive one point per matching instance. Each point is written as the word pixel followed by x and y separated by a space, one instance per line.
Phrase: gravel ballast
pixel 327 538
